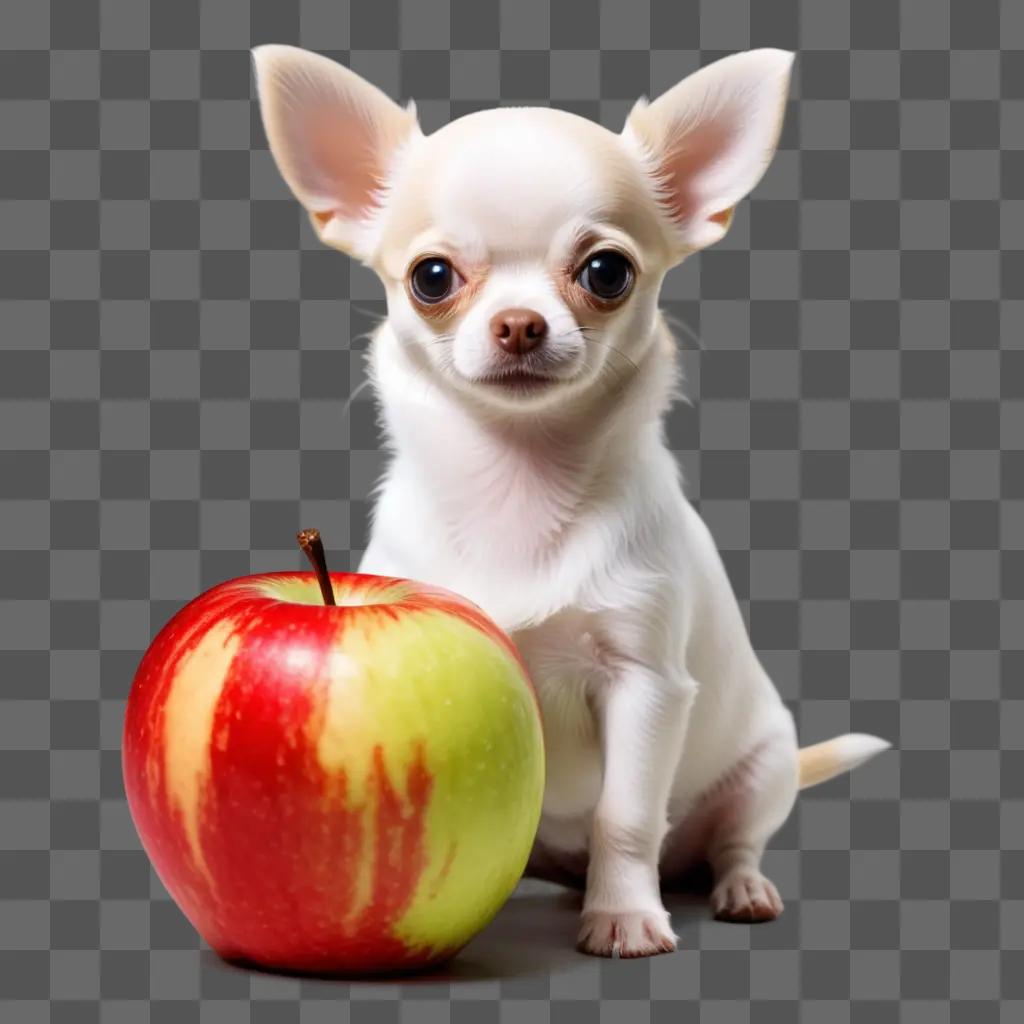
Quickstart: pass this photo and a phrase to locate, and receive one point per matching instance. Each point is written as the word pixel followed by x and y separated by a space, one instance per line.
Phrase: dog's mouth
pixel 517 380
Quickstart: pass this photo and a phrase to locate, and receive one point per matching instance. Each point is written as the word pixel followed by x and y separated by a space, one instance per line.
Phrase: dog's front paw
pixel 747 897
pixel 625 933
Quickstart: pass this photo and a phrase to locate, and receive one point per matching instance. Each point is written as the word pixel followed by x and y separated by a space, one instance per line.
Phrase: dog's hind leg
pixel 746 819
pixel 550 865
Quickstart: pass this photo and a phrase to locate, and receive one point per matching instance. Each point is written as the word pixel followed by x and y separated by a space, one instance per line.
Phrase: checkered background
pixel 176 352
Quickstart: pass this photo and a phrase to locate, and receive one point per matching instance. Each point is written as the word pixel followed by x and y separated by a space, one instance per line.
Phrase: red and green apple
pixel 334 787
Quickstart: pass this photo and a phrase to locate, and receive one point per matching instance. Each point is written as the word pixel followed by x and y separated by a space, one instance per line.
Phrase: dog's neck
pixel 507 487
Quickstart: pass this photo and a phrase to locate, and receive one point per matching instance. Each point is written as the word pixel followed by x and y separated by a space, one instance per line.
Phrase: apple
pixel 334 787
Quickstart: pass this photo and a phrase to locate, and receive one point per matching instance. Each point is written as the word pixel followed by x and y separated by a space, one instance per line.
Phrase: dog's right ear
pixel 335 138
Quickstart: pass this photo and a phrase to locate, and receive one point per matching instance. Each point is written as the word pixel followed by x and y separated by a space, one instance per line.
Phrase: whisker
pixel 351 398
pixel 539 423
pixel 682 325
pixel 441 339
pixel 378 318
pixel 372 313
pixel 622 355
pixel 602 377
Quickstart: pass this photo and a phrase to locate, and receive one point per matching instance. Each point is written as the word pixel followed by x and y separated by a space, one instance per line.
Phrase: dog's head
pixel 522 248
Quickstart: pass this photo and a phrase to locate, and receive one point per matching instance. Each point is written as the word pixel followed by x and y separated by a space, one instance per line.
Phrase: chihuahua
pixel 523 374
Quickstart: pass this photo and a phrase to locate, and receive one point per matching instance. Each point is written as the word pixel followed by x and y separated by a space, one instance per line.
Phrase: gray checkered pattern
pixel 176 350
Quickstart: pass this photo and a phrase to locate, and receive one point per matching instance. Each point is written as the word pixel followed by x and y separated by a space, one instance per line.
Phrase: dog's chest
pixel 569 644
pixel 568 661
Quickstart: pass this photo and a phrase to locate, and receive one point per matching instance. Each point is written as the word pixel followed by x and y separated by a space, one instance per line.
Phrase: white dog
pixel 523 372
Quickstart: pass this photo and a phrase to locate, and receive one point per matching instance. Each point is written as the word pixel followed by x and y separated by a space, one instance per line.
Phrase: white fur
pixel 562 514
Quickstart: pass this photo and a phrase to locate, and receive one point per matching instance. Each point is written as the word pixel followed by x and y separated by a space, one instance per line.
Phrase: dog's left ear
pixel 708 140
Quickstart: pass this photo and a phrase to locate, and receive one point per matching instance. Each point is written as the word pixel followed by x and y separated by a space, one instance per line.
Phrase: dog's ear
pixel 335 138
pixel 709 139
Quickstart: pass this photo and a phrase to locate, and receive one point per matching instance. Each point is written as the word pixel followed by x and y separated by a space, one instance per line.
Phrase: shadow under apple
pixel 533 934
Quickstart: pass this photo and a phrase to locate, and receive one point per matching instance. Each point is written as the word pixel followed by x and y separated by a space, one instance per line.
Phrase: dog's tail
pixel 824 761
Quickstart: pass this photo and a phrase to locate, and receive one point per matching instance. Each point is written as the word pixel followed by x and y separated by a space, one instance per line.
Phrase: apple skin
pixel 350 788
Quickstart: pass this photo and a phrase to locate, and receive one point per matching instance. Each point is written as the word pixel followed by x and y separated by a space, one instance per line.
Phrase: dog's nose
pixel 518 330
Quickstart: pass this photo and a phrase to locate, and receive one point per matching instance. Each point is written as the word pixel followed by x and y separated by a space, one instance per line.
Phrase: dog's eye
pixel 606 274
pixel 433 280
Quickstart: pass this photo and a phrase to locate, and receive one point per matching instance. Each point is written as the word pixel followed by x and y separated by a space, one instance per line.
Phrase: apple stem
pixel 313 548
